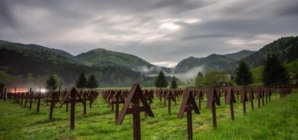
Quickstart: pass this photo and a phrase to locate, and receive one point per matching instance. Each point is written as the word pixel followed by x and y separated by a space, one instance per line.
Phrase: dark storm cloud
pixel 6 17
pixel 290 10
pixel 156 30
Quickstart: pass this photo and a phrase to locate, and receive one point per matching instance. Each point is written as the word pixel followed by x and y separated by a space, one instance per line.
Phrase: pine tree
pixel 161 81
pixel 243 74
pixel 174 83
pixel 81 81
pixel 274 74
pixel 52 83
pixel 92 82
pixel 200 74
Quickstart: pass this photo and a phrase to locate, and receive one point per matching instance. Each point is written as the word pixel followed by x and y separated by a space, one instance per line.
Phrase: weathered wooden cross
pixel 134 97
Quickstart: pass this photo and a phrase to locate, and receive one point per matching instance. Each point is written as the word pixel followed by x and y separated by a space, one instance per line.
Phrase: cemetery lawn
pixel 276 120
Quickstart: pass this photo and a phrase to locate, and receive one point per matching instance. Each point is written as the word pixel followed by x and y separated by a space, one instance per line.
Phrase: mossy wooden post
pixel 188 104
pixel 31 97
pixel 135 96
pixel 230 99
pixel 212 100
pixel 243 99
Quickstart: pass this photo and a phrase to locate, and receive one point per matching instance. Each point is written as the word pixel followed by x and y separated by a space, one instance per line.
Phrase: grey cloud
pixel 180 5
pixel 6 16
pixel 202 36
pixel 220 21
pixel 289 10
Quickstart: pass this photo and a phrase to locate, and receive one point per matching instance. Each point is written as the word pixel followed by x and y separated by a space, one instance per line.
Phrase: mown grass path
pixel 275 120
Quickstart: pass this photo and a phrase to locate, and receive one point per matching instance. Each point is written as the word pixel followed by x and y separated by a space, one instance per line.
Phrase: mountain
pixel 213 61
pixel 60 52
pixel 102 57
pixel 286 48
pixel 240 55
pixel 23 63
pixel 31 65
pixel 38 52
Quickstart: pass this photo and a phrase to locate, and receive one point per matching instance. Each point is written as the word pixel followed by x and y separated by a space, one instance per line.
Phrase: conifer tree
pixel 174 83
pixel 161 81
pixel 81 81
pixel 274 73
pixel 243 74
pixel 52 83
pixel 200 74
pixel 92 82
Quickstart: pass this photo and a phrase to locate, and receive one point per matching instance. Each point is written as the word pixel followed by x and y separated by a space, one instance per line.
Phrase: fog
pixel 186 77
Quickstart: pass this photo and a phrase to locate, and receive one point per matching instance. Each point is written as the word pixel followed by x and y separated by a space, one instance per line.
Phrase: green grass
pixel 275 120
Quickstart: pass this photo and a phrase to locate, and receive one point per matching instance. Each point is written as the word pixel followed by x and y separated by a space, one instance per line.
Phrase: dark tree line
pixel 274 73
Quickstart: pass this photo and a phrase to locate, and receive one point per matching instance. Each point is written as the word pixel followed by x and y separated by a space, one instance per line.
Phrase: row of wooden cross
pixel 137 101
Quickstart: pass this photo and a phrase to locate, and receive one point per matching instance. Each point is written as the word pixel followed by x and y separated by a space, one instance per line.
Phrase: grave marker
pixel 188 104
pixel 170 96
pixel 212 100
pixel 230 99
pixel 135 96
pixel 251 97
pixel 116 99
pixel 244 99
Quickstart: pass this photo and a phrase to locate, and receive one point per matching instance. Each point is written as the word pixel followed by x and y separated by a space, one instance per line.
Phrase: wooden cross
pixel 188 104
pixel 170 96
pixel 134 97
pixel 243 99
pixel 212 100
pixel 116 99
pixel 251 97
pixel 199 96
pixel 230 99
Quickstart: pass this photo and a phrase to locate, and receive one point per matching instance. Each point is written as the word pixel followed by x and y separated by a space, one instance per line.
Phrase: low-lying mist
pixel 185 77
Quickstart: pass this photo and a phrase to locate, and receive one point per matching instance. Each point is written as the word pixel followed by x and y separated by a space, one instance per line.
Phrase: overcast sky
pixel 162 32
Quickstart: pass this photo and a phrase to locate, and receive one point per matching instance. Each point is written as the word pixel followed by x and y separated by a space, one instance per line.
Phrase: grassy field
pixel 275 120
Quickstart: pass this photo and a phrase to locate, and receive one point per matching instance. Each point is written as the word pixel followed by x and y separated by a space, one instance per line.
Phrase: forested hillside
pixel 285 48
pixel 35 65
pixel 213 62
pixel 102 57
